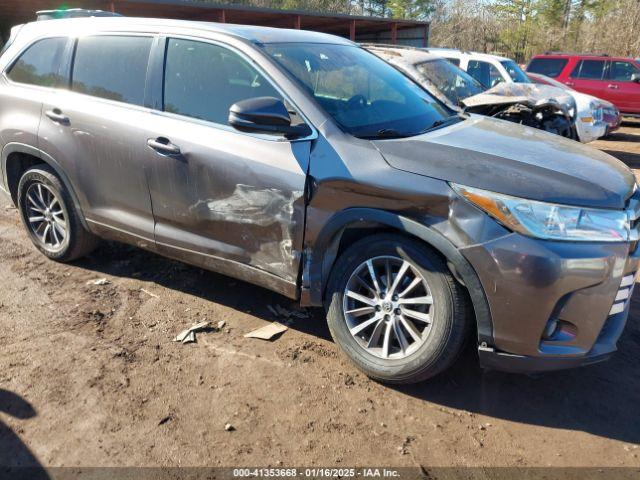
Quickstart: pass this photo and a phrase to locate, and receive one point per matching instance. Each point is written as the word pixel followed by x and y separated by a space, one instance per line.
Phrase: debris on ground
pixel 166 419
pixel 99 281
pixel 149 293
pixel 404 448
pixel 189 338
pixel 280 311
pixel 228 427
pixel 268 332
pixel 221 324
pixel 189 335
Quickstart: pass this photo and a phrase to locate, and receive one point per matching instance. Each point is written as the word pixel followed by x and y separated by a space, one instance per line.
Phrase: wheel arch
pixel 320 258
pixel 19 152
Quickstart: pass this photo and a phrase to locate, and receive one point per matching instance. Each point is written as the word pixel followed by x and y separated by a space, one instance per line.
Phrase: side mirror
pixel 635 77
pixel 264 115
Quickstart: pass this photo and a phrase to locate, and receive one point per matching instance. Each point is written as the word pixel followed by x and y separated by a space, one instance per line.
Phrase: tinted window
pixel 365 95
pixel 454 83
pixel 589 69
pixel 622 71
pixel 551 67
pixel 515 72
pixel 203 80
pixel 112 67
pixel 455 61
pixel 39 64
pixel 485 73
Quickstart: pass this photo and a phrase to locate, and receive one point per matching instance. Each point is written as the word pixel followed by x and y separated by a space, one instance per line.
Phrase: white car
pixel 491 70
pixel 590 121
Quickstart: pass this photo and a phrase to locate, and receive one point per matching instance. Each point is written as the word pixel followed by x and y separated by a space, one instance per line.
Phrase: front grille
pixel 624 294
pixel 633 214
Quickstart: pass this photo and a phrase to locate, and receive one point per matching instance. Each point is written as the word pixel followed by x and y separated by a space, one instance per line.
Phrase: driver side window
pixel 202 80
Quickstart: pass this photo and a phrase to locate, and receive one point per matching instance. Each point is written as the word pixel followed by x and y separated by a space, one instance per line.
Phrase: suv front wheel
pixel 395 309
pixel 50 216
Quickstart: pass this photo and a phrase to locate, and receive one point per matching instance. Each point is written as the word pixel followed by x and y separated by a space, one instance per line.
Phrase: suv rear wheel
pixel 395 309
pixel 51 218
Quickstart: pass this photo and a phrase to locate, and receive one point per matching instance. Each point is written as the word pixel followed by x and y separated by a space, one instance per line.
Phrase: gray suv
pixel 302 163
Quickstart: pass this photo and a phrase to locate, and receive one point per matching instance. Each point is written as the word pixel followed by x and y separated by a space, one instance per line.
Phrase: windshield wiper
pixel 442 123
pixel 385 133
pixel 390 133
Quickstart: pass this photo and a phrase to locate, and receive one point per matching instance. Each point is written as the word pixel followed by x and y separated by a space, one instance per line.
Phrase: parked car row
pixel 545 108
pixel 307 165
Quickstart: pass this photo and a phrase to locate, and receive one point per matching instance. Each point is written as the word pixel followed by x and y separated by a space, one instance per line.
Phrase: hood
pixel 528 93
pixel 508 158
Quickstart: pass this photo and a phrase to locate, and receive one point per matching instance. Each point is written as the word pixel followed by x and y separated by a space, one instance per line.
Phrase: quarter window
pixel 589 70
pixel 112 67
pixel 39 64
pixel 203 80
pixel 622 71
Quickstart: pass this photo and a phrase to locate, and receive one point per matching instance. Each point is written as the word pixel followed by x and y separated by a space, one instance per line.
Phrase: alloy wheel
pixel 388 307
pixel 45 216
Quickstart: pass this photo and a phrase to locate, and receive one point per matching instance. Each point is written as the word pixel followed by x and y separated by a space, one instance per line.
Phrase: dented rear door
pixel 229 201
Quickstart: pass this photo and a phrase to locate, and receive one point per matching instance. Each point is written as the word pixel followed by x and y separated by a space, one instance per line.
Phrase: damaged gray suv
pixel 302 163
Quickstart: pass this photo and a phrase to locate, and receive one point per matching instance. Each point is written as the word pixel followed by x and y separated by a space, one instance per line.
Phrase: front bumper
pixel 589 132
pixel 613 119
pixel 553 305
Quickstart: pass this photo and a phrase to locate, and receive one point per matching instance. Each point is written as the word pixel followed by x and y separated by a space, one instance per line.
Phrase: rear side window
pixel 455 61
pixel 589 70
pixel 203 80
pixel 551 67
pixel 112 67
pixel 622 71
pixel 39 64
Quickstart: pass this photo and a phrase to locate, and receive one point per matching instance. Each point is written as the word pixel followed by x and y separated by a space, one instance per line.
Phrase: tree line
pixel 515 28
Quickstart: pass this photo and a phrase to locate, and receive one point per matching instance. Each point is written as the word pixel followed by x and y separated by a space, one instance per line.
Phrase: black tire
pixel 450 319
pixel 77 240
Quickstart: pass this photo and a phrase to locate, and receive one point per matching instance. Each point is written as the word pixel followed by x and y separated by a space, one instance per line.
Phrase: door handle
pixel 163 145
pixel 57 116
pixel 613 86
pixel 569 84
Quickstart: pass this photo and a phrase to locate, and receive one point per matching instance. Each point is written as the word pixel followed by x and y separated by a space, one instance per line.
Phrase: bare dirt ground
pixel 89 376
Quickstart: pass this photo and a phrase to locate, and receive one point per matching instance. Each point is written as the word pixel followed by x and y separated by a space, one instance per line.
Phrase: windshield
pixel 515 72
pixel 454 83
pixel 367 97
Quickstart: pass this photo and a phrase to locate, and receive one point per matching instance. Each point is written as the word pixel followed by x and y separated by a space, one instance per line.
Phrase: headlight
pixel 596 114
pixel 548 220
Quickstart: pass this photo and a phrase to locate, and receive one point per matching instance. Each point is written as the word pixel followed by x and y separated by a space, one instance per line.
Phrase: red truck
pixel 616 79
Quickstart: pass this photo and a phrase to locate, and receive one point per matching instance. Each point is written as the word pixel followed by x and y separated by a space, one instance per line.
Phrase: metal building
pixel 358 28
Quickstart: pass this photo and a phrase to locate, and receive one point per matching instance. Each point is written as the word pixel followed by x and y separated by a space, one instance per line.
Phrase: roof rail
pixel 577 54
pixel 72 13
pixel 388 45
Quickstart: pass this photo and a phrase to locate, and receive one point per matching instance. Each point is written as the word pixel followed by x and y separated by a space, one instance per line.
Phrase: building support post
pixel 394 33
pixel 112 7
pixel 297 22
pixel 352 30
pixel 222 16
